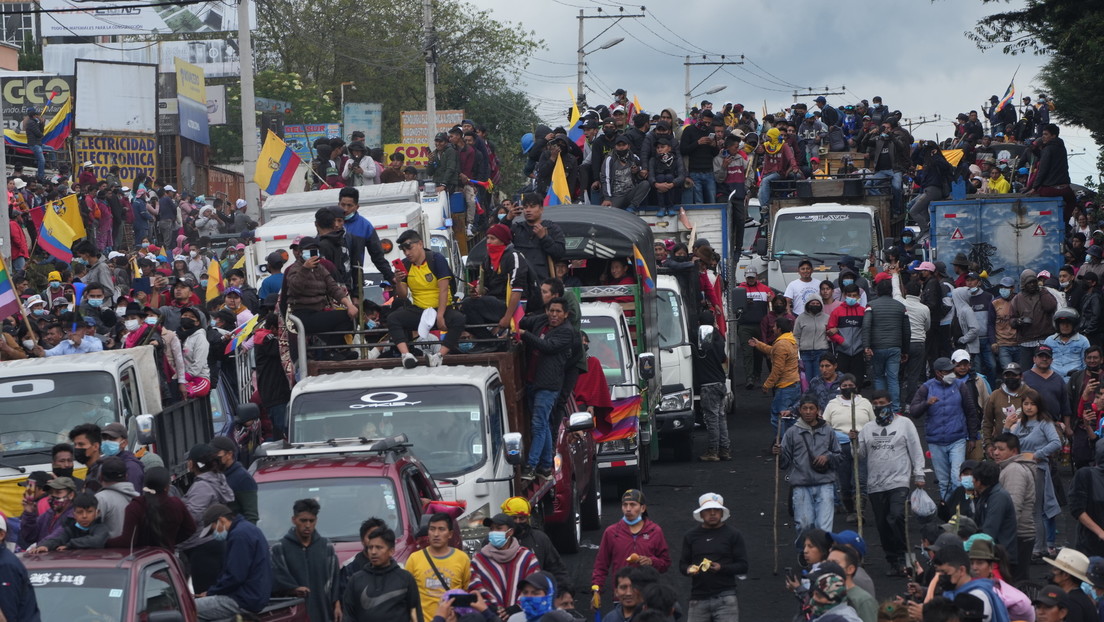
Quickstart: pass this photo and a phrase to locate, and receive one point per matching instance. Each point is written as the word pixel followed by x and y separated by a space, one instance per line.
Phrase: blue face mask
pixel 151 321
pixel 847 282
pixel 632 522
pixel 467 346
pixel 55 284
pixel 95 302
pixel 535 606
pixel 145 244
pixel 81 527
pixel 906 240
pixel 80 260
pixel 968 482
pixel 109 448
pixel 502 216
pixel 851 301
pixel 39 312
pixel 203 282
pixel 221 535
pixel 371 324
pixel 1006 292
pixel 213 323
pixel 974 290
pixel 497 539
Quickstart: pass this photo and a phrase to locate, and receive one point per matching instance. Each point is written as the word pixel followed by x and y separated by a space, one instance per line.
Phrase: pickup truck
pixel 107 585
pixel 352 479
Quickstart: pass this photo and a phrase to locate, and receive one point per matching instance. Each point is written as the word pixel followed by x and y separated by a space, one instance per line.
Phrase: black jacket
pixel 1087 495
pixel 73 537
pixel 547 556
pixel 552 348
pixel 332 246
pixel 373 594
pixel 636 140
pixel 1053 165
pixel 699 157
pixel 17 599
pixel 996 515
pixel 886 325
pixel 1092 308
pixel 724 545
pixel 314 566
pixel 600 147
pixel 35 131
pixel 537 251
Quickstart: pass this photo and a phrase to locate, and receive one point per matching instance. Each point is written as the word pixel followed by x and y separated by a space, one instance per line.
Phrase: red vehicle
pixel 352 481
pixel 147 584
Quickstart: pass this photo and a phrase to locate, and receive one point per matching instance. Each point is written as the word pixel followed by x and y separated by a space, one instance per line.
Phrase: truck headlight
pixel 623 446
pixel 674 402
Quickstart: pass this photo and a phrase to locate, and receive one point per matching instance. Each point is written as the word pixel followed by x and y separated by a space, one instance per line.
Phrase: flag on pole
pixel 559 193
pixel 642 270
pixel 164 254
pixel 239 264
pixel 214 280
pixel 53 134
pixel 56 237
pixel 574 122
pixel 242 333
pixel 9 302
pixel 622 422
pixel 69 210
pixel 276 165
pixel 1008 94
pixel 636 106
pixel 135 270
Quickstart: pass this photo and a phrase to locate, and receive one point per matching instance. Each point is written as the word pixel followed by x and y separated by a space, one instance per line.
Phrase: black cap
pixel 441 136
pixel 215 512
pixel 968 465
pixel 500 519
pixel 706 114
pixel 308 242
pixel 1012 368
pixel 621 138
pixel 201 453
pixel 619 92
pixel 113 469
pixel 1044 350
pixel 952 554
pixel 40 478
pixel 224 443
pixel 541 580
pixel 1051 596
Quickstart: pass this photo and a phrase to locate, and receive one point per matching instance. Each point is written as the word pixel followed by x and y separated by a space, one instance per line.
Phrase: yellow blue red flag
pixel 276 165
pixel 559 193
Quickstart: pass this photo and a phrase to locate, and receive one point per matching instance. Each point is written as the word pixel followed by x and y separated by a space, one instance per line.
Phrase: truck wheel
pixel 565 536
pixel 592 504
pixel 684 448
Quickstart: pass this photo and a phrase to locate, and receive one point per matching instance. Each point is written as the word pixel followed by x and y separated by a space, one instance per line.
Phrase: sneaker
pixel 545 474
pixel 724 455
pixel 631 210
pixel 852 518
pixel 709 456
pixel 434 359
pixel 662 213
pixel 528 474
pixel 409 361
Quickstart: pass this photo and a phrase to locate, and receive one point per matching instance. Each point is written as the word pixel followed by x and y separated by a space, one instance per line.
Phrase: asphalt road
pixel 747 484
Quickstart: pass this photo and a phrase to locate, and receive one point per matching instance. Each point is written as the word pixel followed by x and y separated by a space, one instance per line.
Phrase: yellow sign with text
pixel 416 155
pixel 189 81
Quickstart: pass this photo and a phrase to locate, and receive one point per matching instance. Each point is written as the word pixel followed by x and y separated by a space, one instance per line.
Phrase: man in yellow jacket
pixel 784 377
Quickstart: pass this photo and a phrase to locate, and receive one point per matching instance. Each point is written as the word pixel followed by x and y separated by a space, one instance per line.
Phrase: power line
pixel 106 7
pixel 672 31
pixel 755 86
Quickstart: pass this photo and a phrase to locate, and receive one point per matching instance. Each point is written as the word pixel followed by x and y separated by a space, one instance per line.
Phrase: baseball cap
pixel 1043 274
pixel 973 275
pixel 212 514
pixel 851 539
pixel 621 138
pixel 926 265
pixel 633 494
pixel 62 483
pixel 113 469
pixel 820 100
pixel 949 553
pixel 40 478
pixel 943 364
pixel 170 189
pixel 882 276
pixel 960 355
pixel 1044 350
pixel 1051 596
pixel 1012 368
pixel 542 580
pixel 968 465
pixel 114 430
pixel 500 519
pixel 441 137
pixel 232 290
pixel 224 443
pixel 1095 251
pixel 201 453
pixel 240 203
pixel 1008 282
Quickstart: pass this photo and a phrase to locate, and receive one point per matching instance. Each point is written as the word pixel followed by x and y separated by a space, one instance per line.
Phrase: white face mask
pixel 132 325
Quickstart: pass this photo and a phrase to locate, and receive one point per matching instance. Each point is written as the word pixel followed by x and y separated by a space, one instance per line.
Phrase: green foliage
pixel 30 54
pixel 1069 32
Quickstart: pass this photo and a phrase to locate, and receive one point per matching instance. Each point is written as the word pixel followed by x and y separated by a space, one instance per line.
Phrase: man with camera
pixel 360 170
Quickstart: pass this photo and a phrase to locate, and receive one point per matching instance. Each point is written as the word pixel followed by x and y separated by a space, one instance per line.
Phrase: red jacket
pixel 618 542
pixel 18 240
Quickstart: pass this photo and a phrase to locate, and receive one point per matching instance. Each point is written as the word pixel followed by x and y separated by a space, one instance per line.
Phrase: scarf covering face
pixel 773 144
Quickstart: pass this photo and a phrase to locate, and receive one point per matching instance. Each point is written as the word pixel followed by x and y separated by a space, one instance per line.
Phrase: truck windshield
pixel 37 412
pixel 603 334
pixel 81 593
pixel 823 236
pixel 357 498
pixel 445 426
pixel 669 313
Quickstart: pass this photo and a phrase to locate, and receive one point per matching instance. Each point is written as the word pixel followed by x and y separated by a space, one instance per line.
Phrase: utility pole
pixel 809 92
pixel 430 51
pixel 580 68
pixel 921 121
pixel 250 150
pixel 705 61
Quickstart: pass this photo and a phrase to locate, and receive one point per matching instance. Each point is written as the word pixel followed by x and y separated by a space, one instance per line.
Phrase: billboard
pixel 107 18
pixel 191 97
pixel 301 137
pixel 416 155
pixel 23 91
pixel 135 155
pixel 217 57
pixel 414 124
pixel 216 104
pixel 264 104
pixel 116 97
pixel 367 118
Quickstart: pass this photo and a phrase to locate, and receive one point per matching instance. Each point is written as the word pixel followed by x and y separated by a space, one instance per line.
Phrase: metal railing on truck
pixel 180 426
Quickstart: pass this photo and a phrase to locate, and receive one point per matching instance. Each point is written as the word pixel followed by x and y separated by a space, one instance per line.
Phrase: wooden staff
pixel 855 468
pixel 777 478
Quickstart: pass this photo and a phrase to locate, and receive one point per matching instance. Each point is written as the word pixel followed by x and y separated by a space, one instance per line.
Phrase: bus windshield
pixel 822 236
pixel 445 426
pixel 37 412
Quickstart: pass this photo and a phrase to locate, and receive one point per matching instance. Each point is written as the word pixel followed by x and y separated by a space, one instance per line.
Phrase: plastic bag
pixel 922 504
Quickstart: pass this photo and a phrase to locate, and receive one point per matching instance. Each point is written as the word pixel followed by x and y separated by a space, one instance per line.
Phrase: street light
pixel 710 91
pixel 350 84
pixel 581 68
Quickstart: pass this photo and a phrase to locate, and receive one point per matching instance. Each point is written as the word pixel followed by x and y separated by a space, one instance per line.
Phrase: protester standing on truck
pixel 361 237
pixel 310 288
pixel 540 240
pixel 304 564
pixel 550 340
pixel 504 282
pixel 429 283
pixel 245 582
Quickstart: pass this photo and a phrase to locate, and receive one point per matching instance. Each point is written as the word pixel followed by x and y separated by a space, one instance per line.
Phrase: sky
pixel 913 53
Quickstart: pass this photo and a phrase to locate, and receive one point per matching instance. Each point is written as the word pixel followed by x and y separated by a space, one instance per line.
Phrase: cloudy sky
pixel 912 52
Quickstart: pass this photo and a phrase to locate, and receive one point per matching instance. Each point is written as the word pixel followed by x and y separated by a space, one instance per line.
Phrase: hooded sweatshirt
pixel 208 489
pixel 972 329
pixel 113 500
pixel 809 330
pixel 497 573
pixel 1039 307
pixel 784 362
pixel 387 593
pixel 314 566
pixel 801 444
pixel 619 542
pixel 1017 477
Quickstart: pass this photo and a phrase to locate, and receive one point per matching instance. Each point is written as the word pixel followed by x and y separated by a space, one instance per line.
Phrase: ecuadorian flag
pixel 53 135
pixel 276 165
pixel 559 193
pixel 642 270
pixel 56 237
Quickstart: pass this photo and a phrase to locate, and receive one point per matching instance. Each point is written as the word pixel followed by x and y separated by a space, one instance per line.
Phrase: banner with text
pixel 134 155
pixel 416 155
pixel 415 127
pixel 191 97
pixel 21 92
pixel 301 137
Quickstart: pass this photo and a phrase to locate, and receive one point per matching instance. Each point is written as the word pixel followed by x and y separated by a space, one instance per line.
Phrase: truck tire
pixel 565 536
pixel 592 504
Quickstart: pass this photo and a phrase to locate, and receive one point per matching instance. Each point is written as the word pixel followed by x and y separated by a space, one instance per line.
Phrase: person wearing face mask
pixel 946 403
pixel 979 303
pixel 810 331
pixel 1006 399
pixel 98 269
pixel 37 526
pixel 194 346
pixel 635 540
pixel 61 463
pixel 245 582
pixel 952 565
pixel 272 382
pixel 1032 314
pixel 94 300
pixel 886 334
pixel 845 330
pixel 535 540
pixel 1006 347
pixel 502 563
pixel 54 288
pixel 847 412
pixel 882 443
pixel 622 177
pixel 1071 568
pixel 994 511
pixel 114 443
pixel 505 280
pixel 1068 345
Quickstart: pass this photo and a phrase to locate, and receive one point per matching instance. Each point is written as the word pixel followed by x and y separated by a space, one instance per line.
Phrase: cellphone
pixel 398 265
pixel 307 255
pixel 462 600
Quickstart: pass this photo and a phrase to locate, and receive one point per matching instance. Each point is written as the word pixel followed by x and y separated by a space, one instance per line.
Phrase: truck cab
pixel 352 479
pixel 824 234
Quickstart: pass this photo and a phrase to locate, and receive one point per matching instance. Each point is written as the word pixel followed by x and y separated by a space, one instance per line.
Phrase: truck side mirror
pixel 144 424
pixel 647 365
pixel 245 413
pixel 513 445
pixel 580 422
pixel 761 246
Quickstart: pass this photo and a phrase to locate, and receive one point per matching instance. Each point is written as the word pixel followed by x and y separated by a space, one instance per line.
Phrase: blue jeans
pixel 813 507
pixel 41 160
pixel 785 399
pixel 541 402
pixel 810 359
pixel 946 461
pixel 723 608
pixel 874 186
pixel 278 413
pixel 886 373
pixel 705 187
pixel 1008 354
pixel 765 192
pixel 985 362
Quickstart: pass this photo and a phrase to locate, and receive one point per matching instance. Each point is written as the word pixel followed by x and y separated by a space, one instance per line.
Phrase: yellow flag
pixel 239 263
pixel 69 210
pixel 574 117
pixel 636 105
pixel 214 280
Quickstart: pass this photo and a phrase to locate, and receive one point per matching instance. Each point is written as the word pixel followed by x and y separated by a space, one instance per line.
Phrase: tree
pixel 1069 32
